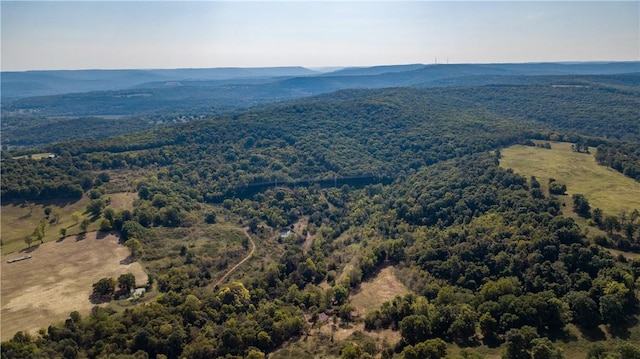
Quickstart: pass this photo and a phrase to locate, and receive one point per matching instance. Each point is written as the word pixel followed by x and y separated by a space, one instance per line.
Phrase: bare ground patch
pixel 371 294
pixel 58 279
pixel 298 228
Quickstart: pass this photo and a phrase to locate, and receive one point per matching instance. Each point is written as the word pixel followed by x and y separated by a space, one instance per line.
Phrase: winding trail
pixel 233 269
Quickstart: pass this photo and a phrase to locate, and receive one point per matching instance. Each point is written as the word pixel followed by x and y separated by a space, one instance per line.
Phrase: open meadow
pixel 58 279
pixel 19 219
pixel 603 187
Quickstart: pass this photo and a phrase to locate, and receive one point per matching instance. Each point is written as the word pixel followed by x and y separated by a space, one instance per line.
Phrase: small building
pixel 285 234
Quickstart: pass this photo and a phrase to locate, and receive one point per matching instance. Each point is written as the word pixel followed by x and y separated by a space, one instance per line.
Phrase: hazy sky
pixel 163 34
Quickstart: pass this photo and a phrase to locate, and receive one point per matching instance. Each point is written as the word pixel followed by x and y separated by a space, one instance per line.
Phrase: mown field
pixel 58 279
pixel 604 188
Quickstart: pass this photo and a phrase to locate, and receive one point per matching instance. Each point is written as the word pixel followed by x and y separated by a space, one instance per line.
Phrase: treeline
pixel 25 178
pixel 623 157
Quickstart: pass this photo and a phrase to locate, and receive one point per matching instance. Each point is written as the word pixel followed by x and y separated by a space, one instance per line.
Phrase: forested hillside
pixel 402 177
pixel 185 95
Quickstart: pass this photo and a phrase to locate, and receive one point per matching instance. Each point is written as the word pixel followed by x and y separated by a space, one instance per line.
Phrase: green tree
pixel 519 342
pixel 581 205
pixel 126 282
pixel 135 247
pixel 431 349
pixel 63 232
pixel 104 287
pixel 109 213
pixel 47 211
pixel 105 225
pixel 597 216
pixel 84 225
pixel 597 350
pixel 543 348
pixel 255 354
pixel 582 308
pixel 611 223
pixel 415 328
pixel 39 231
pixel 76 216
pixel 28 240
pixel 627 350
pixel 340 294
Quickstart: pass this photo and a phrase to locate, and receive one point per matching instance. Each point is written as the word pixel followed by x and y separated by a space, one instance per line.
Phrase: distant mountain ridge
pixel 16 85
pixel 164 97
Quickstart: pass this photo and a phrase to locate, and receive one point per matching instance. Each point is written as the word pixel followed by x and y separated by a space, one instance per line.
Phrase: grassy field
pixel 58 279
pixel 35 156
pixel 605 188
pixel 371 294
pixel 19 219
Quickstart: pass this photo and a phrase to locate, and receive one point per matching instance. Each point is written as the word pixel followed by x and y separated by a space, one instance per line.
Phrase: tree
pixel 556 187
pixel 126 282
pixel 96 206
pixel 611 223
pixel 104 287
pixel 105 225
pixel 543 348
pixel 581 205
pixel 489 327
pixel 63 232
pixel 210 218
pixel 84 225
pixel 28 240
pixel 340 294
pixel 583 309
pixel 519 342
pixel 109 213
pixel 415 328
pixel 431 349
pixel 47 211
pixel 597 350
pixel 255 354
pixel 76 216
pixel 464 326
pixel 134 246
pixel 629 229
pixel 597 216
pixel 39 231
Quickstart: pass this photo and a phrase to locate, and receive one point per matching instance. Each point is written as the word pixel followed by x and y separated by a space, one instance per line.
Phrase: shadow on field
pixel 128 260
pixel 592 334
pixel 622 330
pixel 30 249
pixel 99 299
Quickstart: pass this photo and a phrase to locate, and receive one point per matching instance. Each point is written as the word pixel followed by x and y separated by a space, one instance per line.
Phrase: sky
pixel 54 35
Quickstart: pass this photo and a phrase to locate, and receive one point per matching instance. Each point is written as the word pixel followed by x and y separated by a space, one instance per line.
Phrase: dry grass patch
pixel 58 280
pixel 604 187
pixel 123 200
pixel 371 294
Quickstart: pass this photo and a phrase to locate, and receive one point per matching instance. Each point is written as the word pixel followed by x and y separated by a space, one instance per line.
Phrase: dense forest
pixel 490 259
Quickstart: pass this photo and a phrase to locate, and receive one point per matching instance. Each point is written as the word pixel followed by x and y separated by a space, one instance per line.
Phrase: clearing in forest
pixel 58 279
pixel 372 293
pixel 604 187
pixel 123 200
